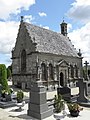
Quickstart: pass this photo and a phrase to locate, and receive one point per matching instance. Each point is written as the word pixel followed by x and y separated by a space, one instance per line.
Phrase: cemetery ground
pixel 12 113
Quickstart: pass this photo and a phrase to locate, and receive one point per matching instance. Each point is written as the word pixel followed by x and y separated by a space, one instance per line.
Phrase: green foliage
pixel 8 92
pixel 8 73
pixel 3 77
pixel 20 95
pixel 5 84
pixel 3 72
pixel 74 107
pixel 59 103
pixel 10 67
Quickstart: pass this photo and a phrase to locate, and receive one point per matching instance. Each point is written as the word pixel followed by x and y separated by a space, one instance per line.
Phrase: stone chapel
pixel 44 55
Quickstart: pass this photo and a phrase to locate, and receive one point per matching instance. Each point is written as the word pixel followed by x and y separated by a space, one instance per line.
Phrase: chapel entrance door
pixel 61 79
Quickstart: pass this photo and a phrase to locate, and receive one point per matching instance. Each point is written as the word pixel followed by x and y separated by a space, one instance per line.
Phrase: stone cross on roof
pixel 22 18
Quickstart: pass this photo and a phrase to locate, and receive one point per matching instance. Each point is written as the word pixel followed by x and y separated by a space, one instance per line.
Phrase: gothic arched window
pixel 23 61
pixel 76 71
pixel 51 71
pixel 44 71
pixel 72 71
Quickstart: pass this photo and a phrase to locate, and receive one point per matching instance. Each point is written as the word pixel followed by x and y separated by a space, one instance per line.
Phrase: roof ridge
pixel 44 28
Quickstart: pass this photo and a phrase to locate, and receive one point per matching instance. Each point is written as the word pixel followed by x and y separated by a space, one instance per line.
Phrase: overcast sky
pixel 48 14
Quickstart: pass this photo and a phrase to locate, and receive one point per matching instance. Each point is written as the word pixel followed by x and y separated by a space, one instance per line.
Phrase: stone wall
pixel 26 42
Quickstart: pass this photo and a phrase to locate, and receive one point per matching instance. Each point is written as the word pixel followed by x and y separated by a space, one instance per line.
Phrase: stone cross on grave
pixel 86 70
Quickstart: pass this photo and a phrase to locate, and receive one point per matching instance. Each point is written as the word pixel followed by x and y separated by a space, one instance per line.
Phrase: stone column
pixel 37 71
pixel 79 73
pixel 38 107
pixel 23 85
pixel 48 77
pixel 55 76
pixel 69 75
pixel 40 74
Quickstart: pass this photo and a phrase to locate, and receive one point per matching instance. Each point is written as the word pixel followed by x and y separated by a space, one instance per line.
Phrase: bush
pixel 8 73
pixel 20 96
pixel 3 77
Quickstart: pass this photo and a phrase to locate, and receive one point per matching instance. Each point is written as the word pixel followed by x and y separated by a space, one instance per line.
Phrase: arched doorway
pixel 61 79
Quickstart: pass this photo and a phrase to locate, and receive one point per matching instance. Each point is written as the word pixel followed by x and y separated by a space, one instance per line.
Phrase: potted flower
pixel 74 109
pixel 59 103
pixel 20 96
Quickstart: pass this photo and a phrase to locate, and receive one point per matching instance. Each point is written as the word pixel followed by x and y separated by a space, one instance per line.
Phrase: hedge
pixel 3 77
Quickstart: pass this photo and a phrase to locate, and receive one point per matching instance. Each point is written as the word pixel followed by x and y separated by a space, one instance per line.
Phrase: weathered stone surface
pixel 50 42
pixel 38 106
pixel 43 46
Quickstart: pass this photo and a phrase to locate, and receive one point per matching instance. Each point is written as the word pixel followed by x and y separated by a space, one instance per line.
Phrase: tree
pixel 3 77
pixel 10 67
pixel 8 72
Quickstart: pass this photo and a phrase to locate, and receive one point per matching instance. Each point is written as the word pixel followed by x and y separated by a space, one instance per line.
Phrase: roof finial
pixel 63 19
pixel 22 18
pixel 79 53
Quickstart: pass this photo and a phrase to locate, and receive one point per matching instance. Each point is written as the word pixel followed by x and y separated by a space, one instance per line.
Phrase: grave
pixel 87 87
pixel 87 80
pixel 86 70
pixel 82 91
pixel 7 104
pixel 38 106
pixel 69 94
pixel 7 101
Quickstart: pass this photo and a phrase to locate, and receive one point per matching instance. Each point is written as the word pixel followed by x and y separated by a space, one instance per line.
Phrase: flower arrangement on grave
pixel 59 103
pixel 20 96
pixel 5 92
pixel 6 95
pixel 74 109
pixel 11 90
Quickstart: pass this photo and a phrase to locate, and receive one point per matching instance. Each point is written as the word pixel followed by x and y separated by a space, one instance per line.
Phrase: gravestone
pixel 86 70
pixel 38 107
pixel 87 80
pixel 67 93
pixel 88 88
pixel 82 91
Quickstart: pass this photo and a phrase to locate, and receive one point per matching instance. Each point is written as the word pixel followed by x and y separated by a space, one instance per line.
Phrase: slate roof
pixel 51 42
